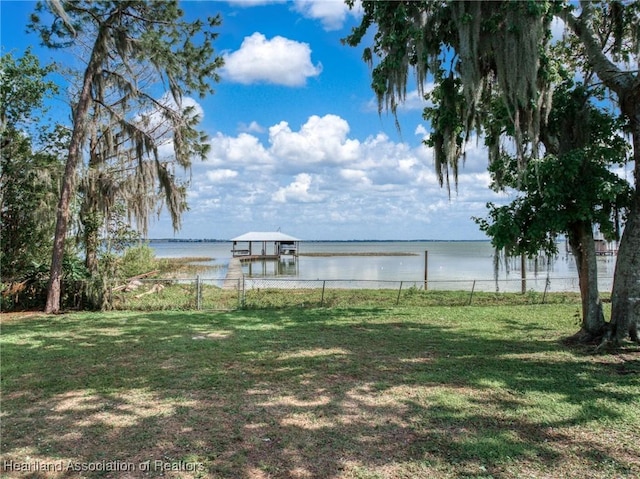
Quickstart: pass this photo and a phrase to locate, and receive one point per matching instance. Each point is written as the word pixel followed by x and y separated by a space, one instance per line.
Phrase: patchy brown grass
pixel 183 267
pixel 20 315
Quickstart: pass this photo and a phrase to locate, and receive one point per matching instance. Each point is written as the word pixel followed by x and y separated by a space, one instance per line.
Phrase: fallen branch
pixel 132 282
pixel 156 288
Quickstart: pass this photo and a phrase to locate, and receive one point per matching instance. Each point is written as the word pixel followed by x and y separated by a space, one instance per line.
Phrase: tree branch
pixel 613 77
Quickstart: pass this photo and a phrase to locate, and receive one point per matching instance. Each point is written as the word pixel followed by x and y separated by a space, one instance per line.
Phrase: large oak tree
pixel 477 50
pixel 570 191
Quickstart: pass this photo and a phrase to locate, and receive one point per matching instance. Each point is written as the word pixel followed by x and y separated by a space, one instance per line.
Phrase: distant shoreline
pixel 391 253
pixel 175 240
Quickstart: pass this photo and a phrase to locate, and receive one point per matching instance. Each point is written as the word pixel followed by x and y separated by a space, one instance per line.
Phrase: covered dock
pixel 258 245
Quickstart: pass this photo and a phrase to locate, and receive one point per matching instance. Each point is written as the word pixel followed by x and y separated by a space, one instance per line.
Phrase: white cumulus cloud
pixel 334 182
pixel 320 140
pixel 218 176
pixel 331 13
pixel 298 191
pixel 244 149
pixel 279 61
pixel 253 127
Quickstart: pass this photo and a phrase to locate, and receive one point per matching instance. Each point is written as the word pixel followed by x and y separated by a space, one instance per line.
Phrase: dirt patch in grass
pixel 20 315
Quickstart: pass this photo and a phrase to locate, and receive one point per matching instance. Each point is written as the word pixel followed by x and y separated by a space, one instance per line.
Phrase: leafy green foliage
pixel 30 289
pixel 472 52
pixel 28 177
pixel 22 90
pixel 573 185
pixel 141 59
pixel 73 268
pixel 137 260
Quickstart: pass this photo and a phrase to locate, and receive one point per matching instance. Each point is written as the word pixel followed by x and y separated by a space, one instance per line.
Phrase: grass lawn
pixel 396 392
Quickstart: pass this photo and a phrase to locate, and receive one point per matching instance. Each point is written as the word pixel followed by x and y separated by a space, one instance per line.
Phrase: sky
pixel 297 143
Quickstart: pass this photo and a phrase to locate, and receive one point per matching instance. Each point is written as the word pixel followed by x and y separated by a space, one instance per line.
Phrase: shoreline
pixel 359 254
pixel 208 240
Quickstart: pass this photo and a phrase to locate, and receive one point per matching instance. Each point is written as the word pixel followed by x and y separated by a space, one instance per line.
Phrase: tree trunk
pixel 625 297
pixel 91 242
pixel 62 220
pixel 584 251
pixel 80 115
pixel 91 220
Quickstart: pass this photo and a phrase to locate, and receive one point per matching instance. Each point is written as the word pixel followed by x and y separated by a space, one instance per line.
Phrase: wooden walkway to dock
pixel 234 274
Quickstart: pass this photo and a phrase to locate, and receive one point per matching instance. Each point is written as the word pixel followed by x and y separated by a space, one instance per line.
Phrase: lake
pixel 450 264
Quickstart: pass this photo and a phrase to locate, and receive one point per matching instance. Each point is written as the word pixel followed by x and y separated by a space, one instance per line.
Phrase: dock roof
pixel 264 236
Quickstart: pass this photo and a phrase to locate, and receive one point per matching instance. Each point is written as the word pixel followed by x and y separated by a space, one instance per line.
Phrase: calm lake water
pixel 447 264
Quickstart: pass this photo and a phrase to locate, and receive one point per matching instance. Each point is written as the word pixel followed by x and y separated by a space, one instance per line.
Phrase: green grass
pixel 368 392
pixel 182 296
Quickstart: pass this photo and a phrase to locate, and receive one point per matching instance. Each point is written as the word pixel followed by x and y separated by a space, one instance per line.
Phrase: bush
pixel 137 260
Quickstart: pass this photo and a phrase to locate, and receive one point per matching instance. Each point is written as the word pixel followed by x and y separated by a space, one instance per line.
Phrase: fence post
pixel 322 299
pixel 398 298
pixel 198 294
pixel 426 268
pixel 472 290
pixel 546 287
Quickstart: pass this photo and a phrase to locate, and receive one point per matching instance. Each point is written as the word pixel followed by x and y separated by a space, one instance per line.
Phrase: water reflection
pixel 447 262
pixel 267 268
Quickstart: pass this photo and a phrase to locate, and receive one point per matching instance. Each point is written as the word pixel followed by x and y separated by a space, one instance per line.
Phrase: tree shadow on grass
pixel 312 393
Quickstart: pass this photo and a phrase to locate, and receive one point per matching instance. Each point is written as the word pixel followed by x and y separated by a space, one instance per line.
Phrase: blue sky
pixel 297 143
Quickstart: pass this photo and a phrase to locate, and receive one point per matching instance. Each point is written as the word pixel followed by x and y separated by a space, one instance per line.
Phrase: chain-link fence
pixel 255 293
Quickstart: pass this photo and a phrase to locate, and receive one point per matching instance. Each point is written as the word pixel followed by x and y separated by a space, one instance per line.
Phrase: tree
pixel 482 49
pixel 126 39
pixel 608 33
pixel 28 178
pixel 23 89
pixel 569 191
pixel 117 175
